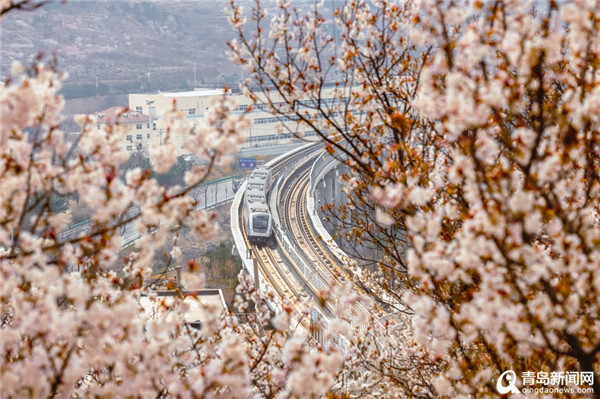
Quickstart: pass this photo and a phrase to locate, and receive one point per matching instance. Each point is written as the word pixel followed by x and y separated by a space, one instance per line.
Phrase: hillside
pixel 129 46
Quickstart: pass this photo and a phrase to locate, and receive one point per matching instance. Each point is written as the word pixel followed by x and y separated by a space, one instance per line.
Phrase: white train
pixel 257 217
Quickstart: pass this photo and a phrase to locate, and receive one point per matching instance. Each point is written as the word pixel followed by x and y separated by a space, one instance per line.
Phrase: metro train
pixel 257 217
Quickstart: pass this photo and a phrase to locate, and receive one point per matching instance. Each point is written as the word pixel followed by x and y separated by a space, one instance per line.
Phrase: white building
pixel 194 104
pixel 137 126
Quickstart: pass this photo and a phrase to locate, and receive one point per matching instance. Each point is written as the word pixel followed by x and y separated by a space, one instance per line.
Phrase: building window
pixel 98 126
pixel 139 136
pixel 129 148
pixel 153 125
pixel 275 119
pixel 192 111
pixel 129 138
pixel 138 109
pixel 148 135
pixel 148 125
pixel 138 126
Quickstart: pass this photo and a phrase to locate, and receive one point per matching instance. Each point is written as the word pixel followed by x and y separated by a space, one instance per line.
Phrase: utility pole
pixel 149 104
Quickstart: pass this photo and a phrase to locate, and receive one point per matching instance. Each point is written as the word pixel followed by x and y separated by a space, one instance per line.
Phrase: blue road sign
pixel 247 163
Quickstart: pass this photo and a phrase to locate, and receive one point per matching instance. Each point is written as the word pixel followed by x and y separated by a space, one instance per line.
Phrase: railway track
pixel 270 264
pixel 329 270
pixel 315 253
pixel 274 265
pixel 300 267
pixel 295 221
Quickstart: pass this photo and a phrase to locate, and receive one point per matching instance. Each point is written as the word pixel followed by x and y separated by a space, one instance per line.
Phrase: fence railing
pixel 86 227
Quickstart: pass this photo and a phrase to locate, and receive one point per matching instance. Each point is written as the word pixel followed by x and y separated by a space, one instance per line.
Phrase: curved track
pixel 271 265
pixel 300 267
pixel 296 221
pixel 275 266
pixel 325 268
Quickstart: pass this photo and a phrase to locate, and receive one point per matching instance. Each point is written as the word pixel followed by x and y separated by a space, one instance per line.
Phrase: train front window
pixel 260 223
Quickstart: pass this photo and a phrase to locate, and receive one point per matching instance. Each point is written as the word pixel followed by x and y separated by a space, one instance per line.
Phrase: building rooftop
pixel 200 303
pixel 195 93
pixel 121 115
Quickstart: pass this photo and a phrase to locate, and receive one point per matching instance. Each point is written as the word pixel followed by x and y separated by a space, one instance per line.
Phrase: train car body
pixel 258 221
pixel 257 184
pixel 259 175
pixel 257 217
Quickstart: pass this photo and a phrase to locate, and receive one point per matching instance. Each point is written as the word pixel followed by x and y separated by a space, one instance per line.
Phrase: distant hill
pixel 129 46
